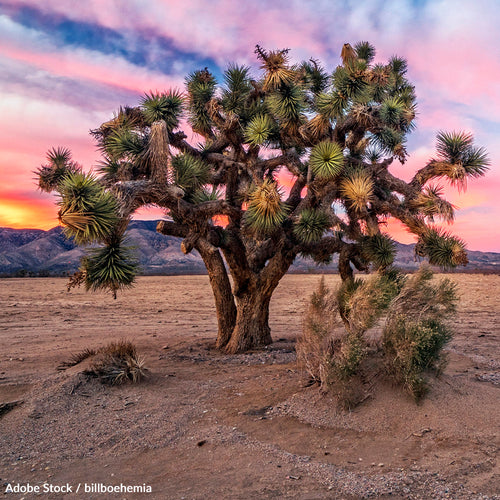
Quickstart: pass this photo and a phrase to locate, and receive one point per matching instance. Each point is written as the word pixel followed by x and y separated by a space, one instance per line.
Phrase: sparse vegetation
pixel 115 363
pixel 416 331
pixel 333 344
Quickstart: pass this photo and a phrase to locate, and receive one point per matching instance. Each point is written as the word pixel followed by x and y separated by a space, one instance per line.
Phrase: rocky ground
pixel 206 425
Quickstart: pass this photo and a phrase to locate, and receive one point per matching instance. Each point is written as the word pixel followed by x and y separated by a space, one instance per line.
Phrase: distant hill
pixel 38 252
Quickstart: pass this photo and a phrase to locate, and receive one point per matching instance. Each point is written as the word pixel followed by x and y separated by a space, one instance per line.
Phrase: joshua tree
pixel 332 136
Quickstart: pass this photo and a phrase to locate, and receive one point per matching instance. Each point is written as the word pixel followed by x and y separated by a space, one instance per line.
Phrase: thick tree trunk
pixel 221 288
pixel 252 302
pixel 252 322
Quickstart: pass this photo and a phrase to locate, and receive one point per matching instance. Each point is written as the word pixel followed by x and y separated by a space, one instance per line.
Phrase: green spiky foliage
pixel 294 160
pixel 124 143
pixel 201 89
pixel 380 249
pixel 202 195
pixel 237 90
pixel 459 157
pixel 266 212
pixel 163 106
pixel 87 211
pixel 190 173
pixel 326 160
pixel 365 51
pixel 442 248
pixel 431 204
pixel 287 105
pixel 259 130
pixel 352 84
pixel 332 105
pixel 59 165
pixel 112 267
pixel 311 225
pixel 314 76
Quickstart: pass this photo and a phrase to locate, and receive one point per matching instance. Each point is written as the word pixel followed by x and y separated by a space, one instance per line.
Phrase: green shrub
pixel 416 331
pixel 333 347
pixel 414 348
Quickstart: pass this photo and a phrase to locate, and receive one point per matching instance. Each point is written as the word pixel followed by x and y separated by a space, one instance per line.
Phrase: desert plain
pixel 205 425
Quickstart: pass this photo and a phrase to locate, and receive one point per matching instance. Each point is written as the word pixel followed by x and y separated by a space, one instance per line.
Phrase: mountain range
pixel 28 252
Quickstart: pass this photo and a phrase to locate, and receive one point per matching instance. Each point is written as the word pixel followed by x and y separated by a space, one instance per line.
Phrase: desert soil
pixel 206 425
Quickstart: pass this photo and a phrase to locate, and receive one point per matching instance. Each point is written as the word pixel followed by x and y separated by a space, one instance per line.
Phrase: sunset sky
pixel 67 65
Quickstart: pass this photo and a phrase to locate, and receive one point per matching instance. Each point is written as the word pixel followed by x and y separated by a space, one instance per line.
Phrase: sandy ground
pixel 205 425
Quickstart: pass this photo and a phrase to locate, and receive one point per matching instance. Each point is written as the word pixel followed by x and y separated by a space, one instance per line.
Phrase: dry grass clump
pixel 333 349
pixel 114 363
pixel 318 323
pixel 416 331
pixel 332 346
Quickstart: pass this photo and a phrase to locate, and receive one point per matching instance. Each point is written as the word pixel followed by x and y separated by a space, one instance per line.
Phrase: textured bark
pixel 252 322
pixel 221 288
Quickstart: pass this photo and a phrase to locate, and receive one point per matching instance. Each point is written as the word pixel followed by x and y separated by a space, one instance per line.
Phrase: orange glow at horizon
pixel 21 214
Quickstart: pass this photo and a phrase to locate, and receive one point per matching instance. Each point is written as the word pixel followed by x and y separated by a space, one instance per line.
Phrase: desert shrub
pixel 318 323
pixel 333 348
pixel 416 331
pixel 362 303
pixel 114 363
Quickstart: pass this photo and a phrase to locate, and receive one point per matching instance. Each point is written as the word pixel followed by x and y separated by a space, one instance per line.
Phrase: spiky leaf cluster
pixel 59 165
pixel 442 249
pixel 460 158
pixel 365 51
pixel 124 143
pixel 430 203
pixel 276 69
pixel 331 105
pixel 311 225
pixel 163 106
pixel 326 160
pixel 357 189
pixel 112 267
pixel 259 130
pixel 203 194
pixel 237 89
pixel 379 249
pixel 287 105
pixel 313 76
pixel 265 212
pixel 190 173
pixel 87 211
pixel 351 84
pixel 201 87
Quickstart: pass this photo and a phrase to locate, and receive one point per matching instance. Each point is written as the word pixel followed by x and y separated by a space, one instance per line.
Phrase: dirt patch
pixel 206 425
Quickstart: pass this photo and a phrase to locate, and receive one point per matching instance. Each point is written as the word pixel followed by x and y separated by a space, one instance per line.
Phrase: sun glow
pixel 20 214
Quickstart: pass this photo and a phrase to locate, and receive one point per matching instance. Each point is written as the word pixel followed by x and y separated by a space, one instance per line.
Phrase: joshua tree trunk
pixel 221 288
pixel 252 322
pixel 252 298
